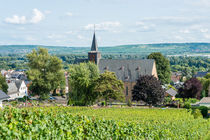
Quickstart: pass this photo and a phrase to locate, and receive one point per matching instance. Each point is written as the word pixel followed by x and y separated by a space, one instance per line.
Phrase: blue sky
pixel 117 22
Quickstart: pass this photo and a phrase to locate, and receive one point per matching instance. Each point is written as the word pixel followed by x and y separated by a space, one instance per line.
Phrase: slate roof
pixel 12 88
pixel 94 46
pixel 18 83
pixel 205 100
pixel 171 92
pixel 127 70
pixel 22 77
pixel 3 95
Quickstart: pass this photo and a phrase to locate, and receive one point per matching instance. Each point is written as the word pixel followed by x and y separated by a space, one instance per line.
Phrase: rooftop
pixel 3 95
pixel 205 100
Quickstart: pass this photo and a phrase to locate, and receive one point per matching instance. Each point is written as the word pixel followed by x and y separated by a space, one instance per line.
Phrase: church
pixel 126 70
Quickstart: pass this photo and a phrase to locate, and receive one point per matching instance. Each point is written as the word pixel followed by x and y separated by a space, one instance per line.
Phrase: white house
pixel 22 88
pixel 12 91
pixel 17 89
pixel 3 96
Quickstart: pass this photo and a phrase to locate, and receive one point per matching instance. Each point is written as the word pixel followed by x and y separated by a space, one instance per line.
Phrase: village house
pixel 205 101
pixel 12 75
pixel 17 89
pixel 171 93
pixel 176 77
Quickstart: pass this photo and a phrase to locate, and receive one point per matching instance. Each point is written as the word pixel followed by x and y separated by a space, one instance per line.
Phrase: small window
pixel 126 91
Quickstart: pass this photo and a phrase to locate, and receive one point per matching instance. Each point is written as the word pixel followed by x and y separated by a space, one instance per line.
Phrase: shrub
pixel 70 102
pixel 203 109
pixel 23 99
pixel 187 105
pixel 129 103
pixel 167 100
pixel 192 100
pixel 103 103
pixel 14 103
pixel 196 113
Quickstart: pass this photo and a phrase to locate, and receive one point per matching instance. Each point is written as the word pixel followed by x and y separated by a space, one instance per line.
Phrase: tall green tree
pixel 109 87
pixel 81 83
pixel 163 67
pixel 45 71
pixel 3 84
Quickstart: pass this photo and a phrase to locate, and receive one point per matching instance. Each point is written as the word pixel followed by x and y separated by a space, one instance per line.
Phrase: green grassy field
pixel 101 123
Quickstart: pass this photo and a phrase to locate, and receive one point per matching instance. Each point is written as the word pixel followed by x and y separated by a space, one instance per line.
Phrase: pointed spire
pixel 94 46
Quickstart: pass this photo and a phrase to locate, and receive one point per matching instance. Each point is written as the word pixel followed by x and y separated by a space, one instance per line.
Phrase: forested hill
pixel 140 49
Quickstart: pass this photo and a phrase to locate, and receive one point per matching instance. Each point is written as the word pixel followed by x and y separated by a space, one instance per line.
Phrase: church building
pixel 126 70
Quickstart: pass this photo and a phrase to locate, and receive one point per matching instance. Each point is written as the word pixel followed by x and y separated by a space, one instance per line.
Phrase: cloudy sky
pixel 117 22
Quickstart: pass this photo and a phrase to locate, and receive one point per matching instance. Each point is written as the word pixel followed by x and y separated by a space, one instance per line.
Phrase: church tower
pixel 94 55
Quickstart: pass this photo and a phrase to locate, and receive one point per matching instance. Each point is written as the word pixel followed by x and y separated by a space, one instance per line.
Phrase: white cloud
pixel 36 18
pixel 186 31
pixel 69 32
pixel 207 36
pixel 143 27
pixel 204 30
pixel 69 14
pixel 194 28
pixel 105 26
pixel 80 37
pixel 16 19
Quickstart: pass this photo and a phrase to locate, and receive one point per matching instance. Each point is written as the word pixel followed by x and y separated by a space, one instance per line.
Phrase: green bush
pixel 196 113
pixel 203 109
pixel 70 102
pixel 103 103
pixel 187 105
pixel 192 100
pixel 167 100
pixel 23 99
pixel 14 103
pixel 129 103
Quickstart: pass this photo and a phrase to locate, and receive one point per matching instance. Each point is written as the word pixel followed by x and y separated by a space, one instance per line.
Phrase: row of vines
pixel 106 123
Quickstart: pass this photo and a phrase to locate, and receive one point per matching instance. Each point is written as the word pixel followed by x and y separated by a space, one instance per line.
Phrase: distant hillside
pixel 138 49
